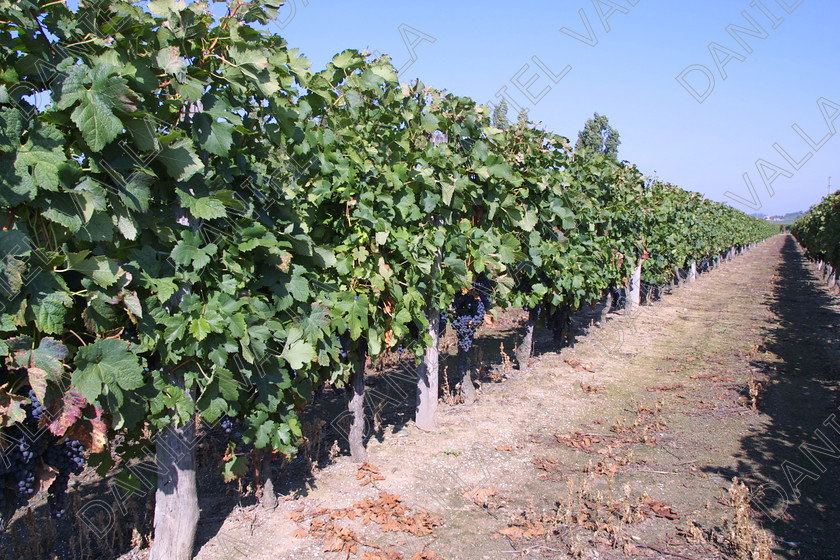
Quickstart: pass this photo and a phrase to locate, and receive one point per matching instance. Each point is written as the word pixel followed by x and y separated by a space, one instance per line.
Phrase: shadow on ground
pixel 798 450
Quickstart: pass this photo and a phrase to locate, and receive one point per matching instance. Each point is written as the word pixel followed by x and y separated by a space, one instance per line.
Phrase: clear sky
pixel 769 83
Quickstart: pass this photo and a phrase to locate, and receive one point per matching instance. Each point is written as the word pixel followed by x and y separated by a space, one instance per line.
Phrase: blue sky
pixel 629 73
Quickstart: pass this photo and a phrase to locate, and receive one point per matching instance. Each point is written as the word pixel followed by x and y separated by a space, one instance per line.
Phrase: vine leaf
pixel 38 382
pixel 107 362
pixel 102 270
pixel 169 59
pixel 180 160
pixel 47 357
pixel 91 432
pixel 98 91
pixel 297 351
pixel 11 409
pixel 72 404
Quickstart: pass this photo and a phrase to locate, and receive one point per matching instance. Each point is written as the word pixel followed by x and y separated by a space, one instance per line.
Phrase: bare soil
pixel 626 445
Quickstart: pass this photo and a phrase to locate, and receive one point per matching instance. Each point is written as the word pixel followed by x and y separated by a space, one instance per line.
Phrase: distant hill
pixel 788 218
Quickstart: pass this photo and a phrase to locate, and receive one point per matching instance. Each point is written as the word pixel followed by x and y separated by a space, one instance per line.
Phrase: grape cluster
pixel 68 459
pixel 469 314
pixel 21 454
pixel 37 410
pixel 443 318
pixel 27 447
pixel 484 289
pixel 468 310
pixel 226 424
pixel 344 341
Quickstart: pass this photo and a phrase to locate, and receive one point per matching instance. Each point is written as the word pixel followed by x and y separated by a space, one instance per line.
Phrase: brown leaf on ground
pixel 580 366
pixel 340 539
pixel 504 448
pixel 525 531
pixel 660 509
pixel 661 388
pixel 389 554
pixel 479 495
pixel 579 440
pixel 390 514
pixel 591 388
pixel 712 377
pixel 296 515
pixel 367 473
pixel 547 465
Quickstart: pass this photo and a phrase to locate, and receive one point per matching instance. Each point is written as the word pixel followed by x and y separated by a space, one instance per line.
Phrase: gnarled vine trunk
pixel 525 349
pixel 425 413
pixel 176 499
pixel 356 406
pixel 692 273
pixel 634 289
pixel 561 326
pixel 263 463
pixel 608 303
pixel 468 392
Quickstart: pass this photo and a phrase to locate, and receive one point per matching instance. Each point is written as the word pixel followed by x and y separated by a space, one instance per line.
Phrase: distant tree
pixel 522 119
pixel 597 135
pixel 500 119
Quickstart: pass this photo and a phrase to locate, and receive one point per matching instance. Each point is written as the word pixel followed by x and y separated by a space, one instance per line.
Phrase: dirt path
pixel 624 446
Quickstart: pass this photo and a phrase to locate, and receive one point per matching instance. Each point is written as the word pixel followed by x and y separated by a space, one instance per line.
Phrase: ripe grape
pixel 24 453
pixel 468 312
pixel 226 424
pixel 37 409
pixel 442 320
pixel 344 341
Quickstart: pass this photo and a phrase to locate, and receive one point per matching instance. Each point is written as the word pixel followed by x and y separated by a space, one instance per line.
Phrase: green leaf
pixel 180 160
pixel 127 225
pixel 51 311
pixel 106 362
pixel 346 58
pixel 101 270
pixel 98 91
pixel 429 122
pixel 200 328
pixel 298 286
pixel 356 312
pixel 189 251
pixel 447 190
pixel 163 288
pixel 216 137
pixel 207 208
pixel 164 7
pixel 133 305
pixel 297 351
pixel 236 466
pixel 169 59
pixel 528 221
pixel 324 257
pixel 96 121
